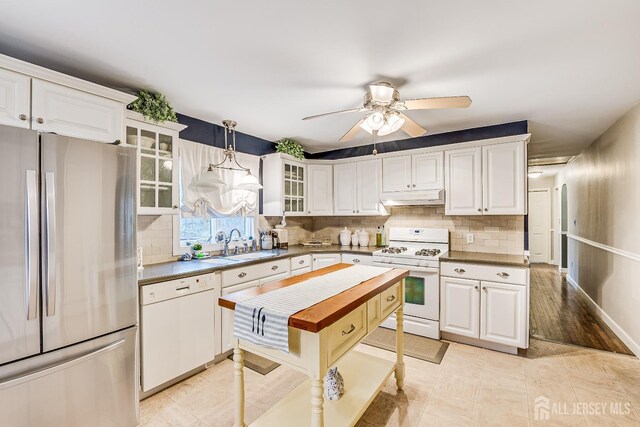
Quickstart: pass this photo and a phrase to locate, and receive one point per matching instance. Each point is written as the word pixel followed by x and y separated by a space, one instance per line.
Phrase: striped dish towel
pixel 264 319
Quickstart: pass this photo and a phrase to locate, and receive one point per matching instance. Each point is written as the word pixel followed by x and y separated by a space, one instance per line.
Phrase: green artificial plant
pixel 291 147
pixel 153 106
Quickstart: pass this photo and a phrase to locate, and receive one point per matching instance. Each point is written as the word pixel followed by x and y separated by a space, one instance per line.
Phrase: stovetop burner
pixel 394 250
pixel 428 252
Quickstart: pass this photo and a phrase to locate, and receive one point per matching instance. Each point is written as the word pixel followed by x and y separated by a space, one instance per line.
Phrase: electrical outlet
pixel 469 238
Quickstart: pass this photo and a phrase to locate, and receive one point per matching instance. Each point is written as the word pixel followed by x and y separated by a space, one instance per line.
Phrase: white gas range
pixel 417 250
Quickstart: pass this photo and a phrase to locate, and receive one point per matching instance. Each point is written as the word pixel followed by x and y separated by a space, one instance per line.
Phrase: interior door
pixel 539 226
pixel 463 181
pixel 88 223
pixel 503 169
pixel 369 184
pixel 427 171
pixel 459 306
pixel 344 189
pixel 396 174
pixel 503 314
pixel 19 244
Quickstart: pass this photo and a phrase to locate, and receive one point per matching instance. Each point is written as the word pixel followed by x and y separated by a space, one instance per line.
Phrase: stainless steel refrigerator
pixel 68 292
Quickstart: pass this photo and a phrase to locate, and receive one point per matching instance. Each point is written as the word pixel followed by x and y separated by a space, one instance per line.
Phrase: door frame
pixel 549 218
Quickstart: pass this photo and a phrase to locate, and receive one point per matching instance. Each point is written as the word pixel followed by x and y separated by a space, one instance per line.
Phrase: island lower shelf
pixel 364 376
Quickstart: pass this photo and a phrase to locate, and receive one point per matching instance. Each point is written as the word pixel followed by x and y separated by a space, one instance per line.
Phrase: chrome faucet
pixel 225 250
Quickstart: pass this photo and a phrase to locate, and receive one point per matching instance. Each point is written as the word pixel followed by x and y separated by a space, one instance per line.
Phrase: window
pixel 203 231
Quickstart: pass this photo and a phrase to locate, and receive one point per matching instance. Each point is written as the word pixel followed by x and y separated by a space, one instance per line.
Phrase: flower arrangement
pixel 153 106
pixel 291 147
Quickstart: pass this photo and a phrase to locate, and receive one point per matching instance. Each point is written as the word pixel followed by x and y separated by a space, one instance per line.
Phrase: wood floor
pixel 562 314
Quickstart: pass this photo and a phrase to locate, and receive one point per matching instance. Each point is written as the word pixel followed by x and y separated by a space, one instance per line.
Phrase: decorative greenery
pixel 153 106
pixel 196 247
pixel 291 147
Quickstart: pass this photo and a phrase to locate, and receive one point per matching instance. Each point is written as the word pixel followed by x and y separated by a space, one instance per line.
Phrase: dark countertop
pixel 485 258
pixel 156 273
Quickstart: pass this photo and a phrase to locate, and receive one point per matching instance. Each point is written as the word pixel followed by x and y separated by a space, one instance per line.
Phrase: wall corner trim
pixel 629 342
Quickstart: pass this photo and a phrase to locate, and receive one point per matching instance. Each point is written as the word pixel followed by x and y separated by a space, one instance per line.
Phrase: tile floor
pixel 471 387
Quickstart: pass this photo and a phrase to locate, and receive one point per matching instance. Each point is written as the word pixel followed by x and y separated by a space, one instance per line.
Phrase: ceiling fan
pixel 386 116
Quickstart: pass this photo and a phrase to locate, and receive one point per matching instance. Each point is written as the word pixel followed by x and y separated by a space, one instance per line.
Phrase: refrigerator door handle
pixel 31 238
pixel 50 220
pixel 64 365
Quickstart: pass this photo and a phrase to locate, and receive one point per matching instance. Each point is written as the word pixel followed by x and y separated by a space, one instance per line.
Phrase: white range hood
pixel 403 198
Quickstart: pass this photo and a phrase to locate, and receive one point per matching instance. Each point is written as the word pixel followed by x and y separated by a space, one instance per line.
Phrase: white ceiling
pixel 570 67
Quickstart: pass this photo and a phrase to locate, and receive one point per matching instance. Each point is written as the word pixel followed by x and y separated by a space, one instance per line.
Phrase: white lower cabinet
pixel 325 260
pixel 300 271
pixel 490 311
pixel 357 259
pixel 503 314
pixel 459 306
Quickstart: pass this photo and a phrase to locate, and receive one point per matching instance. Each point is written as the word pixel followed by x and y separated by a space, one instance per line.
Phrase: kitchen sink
pixel 220 262
pixel 253 256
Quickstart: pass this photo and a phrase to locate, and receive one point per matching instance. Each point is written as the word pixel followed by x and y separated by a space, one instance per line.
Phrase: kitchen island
pixel 322 336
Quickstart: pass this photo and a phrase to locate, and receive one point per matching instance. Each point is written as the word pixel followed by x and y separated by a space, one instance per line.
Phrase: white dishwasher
pixel 177 327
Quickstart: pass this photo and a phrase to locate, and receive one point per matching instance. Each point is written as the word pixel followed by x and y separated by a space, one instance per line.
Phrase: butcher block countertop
pixel 323 314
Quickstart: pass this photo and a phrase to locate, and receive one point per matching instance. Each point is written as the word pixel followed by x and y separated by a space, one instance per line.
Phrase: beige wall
pixel 155 236
pixel 603 188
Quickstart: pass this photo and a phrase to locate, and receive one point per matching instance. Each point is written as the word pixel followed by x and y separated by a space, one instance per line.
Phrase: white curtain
pixel 214 202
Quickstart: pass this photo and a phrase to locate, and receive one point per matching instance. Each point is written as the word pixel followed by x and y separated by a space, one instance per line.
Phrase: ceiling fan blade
pixel 351 133
pixel 434 103
pixel 350 110
pixel 411 128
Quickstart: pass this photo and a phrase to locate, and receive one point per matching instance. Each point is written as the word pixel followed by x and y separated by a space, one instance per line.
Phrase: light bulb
pixel 376 120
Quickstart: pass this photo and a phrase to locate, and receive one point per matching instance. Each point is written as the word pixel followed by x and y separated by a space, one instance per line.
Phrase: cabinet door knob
pixel 175 206
pixel 408 186
pixel 22 117
pixel 356 260
pixel 241 275
pixel 503 275
pixel 475 287
pixel 40 120
pixel 274 267
pixel 479 210
pixel 301 261
pixel 459 270
pixel 414 185
pixel 484 288
pixel 486 210
pixel 357 211
pixel 354 211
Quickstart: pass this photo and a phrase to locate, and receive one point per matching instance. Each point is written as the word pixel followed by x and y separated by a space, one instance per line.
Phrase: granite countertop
pixel 156 273
pixel 485 258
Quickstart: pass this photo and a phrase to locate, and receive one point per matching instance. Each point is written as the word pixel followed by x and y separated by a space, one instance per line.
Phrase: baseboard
pixel 624 337
pixel 479 343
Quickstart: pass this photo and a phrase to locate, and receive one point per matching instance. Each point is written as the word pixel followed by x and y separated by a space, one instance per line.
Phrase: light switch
pixel 469 238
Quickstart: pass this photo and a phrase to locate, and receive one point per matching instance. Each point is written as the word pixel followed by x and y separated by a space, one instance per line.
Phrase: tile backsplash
pixel 492 234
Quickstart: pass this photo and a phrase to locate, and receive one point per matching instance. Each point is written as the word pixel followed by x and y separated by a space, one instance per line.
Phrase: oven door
pixel 422 293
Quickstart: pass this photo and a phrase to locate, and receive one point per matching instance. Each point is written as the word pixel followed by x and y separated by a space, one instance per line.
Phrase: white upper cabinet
pixel 368 177
pixel 396 173
pixel 504 171
pixel 486 180
pixel 418 172
pixel 285 186
pixel 463 181
pixel 15 99
pixel 427 171
pixel 71 112
pixel 320 196
pixel 345 189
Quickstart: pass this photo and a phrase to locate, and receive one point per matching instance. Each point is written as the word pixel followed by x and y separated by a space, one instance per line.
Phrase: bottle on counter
pixel 379 237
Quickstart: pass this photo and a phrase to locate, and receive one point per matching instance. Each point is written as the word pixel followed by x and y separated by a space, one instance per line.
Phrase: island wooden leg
pixel 400 347
pixel 238 383
pixel 317 400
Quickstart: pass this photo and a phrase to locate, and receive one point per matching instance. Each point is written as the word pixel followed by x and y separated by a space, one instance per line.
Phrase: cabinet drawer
pixel 373 313
pixel 301 261
pixel 389 300
pixel 494 273
pixel 357 259
pixel 254 272
pixel 346 332
pixel 300 271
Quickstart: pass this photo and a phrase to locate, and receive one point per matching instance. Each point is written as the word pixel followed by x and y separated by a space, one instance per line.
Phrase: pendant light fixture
pixel 211 178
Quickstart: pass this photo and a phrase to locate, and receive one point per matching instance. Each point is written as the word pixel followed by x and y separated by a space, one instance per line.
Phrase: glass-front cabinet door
pixel 294 188
pixel 157 165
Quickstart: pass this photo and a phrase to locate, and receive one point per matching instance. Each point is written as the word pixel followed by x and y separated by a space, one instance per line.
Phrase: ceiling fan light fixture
pixel 535 174
pixel 381 92
pixel 393 124
pixel 376 120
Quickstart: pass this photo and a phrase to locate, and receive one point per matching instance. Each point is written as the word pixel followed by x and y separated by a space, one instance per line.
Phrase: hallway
pixel 562 314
